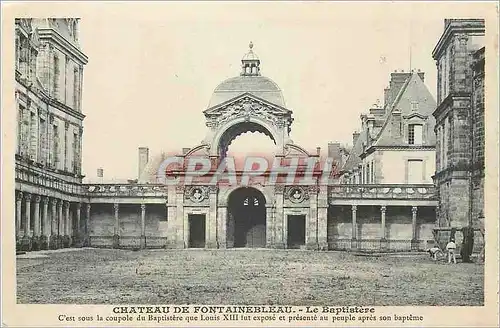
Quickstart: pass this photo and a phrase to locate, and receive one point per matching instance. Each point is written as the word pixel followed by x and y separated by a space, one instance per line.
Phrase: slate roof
pixel 259 86
pixel 413 89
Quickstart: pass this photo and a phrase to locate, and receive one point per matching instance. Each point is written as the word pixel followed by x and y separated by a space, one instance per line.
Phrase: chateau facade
pixel 383 199
pixel 49 69
pixel 459 176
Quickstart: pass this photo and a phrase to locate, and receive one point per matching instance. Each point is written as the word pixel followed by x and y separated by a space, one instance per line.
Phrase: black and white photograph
pixel 250 163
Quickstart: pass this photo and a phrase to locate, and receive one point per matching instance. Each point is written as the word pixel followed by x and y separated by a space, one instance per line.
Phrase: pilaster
pixel 143 226
pixel 414 241
pixel 116 235
pixel 312 224
pixel 211 227
pixel 279 233
pixel 354 237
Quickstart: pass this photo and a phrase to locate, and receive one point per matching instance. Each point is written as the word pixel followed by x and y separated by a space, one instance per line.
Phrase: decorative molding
pixel 279 189
pixel 196 193
pixel 296 194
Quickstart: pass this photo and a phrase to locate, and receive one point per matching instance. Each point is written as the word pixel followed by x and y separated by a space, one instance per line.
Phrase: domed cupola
pixel 250 63
pixel 249 81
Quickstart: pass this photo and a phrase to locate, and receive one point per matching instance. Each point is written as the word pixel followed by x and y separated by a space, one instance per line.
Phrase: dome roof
pixel 250 56
pixel 259 86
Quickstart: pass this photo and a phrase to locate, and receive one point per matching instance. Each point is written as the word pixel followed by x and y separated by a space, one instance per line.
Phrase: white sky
pixel 151 73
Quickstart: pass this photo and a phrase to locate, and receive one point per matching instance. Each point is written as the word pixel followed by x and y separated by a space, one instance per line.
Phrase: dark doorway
pixel 296 231
pixel 196 230
pixel 247 218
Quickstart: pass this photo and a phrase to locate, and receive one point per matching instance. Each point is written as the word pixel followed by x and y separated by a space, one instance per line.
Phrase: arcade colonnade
pixel 45 222
pixel 312 221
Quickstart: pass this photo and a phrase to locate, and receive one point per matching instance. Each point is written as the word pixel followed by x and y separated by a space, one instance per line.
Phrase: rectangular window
pixel 75 153
pixel 20 134
pixel 415 171
pixel 55 77
pixel 414 106
pixel 415 134
pixel 42 140
pixel 373 173
pixel 55 146
pixel 33 136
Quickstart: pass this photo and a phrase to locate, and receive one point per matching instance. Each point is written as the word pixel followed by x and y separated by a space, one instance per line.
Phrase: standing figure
pixel 450 247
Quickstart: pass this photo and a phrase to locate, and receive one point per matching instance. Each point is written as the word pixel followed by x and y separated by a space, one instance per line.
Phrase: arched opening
pixel 246 225
pixel 244 141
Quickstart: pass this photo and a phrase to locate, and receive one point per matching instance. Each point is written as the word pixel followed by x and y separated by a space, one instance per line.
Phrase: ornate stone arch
pixel 235 127
pixel 224 194
pixel 243 114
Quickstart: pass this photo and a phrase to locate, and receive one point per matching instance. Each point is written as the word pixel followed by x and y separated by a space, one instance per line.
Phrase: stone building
pixel 282 214
pixel 395 148
pixel 48 71
pixel 375 211
pixel 459 177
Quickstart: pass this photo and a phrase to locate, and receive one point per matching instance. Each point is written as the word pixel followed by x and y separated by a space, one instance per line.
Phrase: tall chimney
pixel 334 152
pixel 143 159
pixel 397 82
pixel 355 137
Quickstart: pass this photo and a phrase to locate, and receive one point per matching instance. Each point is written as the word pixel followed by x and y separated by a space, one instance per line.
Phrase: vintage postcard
pixel 249 164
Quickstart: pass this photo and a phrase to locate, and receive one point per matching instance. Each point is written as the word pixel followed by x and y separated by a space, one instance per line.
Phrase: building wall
pixel 391 166
pixel 398 227
pixel 102 224
pixel 49 133
pixel 459 104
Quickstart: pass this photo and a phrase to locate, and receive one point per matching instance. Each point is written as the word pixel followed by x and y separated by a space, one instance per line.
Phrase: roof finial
pixel 250 45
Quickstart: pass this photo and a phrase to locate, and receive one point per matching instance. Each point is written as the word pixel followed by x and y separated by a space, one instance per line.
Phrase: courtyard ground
pixel 244 276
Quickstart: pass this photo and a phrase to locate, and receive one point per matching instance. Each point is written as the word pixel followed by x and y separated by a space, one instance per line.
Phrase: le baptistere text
pixel 228 314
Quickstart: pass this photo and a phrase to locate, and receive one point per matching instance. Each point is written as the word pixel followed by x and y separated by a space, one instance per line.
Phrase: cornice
pixel 467 26
pixel 49 100
pixel 53 34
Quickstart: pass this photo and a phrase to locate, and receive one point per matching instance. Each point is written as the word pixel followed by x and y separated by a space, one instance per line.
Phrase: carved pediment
pixel 415 114
pixel 247 105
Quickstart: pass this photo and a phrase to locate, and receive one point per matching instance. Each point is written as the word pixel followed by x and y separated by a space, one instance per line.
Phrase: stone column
pixel 383 240
pixel 211 226
pixel 143 226
pixel 60 229
pixel 19 198
pixel 354 241
pixel 46 229
pixel 269 226
pixel 26 239
pixel 172 217
pixel 66 220
pixel 27 215
pixel 36 224
pixel 323 218
pixel 116 234
pixel 312 224
pixel 87 241
pixel 222 225
pixel 77 233
pixel 279 236
pixel 53 240
pixel 414 241
pixel 181 242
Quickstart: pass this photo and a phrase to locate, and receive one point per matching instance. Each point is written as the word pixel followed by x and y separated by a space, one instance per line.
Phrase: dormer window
pixel 414 106
pixel 415 134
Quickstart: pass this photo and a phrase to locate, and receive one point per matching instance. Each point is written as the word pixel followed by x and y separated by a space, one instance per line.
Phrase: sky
pixel 152 69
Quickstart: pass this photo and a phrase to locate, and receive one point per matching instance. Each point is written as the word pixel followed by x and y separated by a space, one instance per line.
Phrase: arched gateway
pixel 259 215
pixel 246 224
